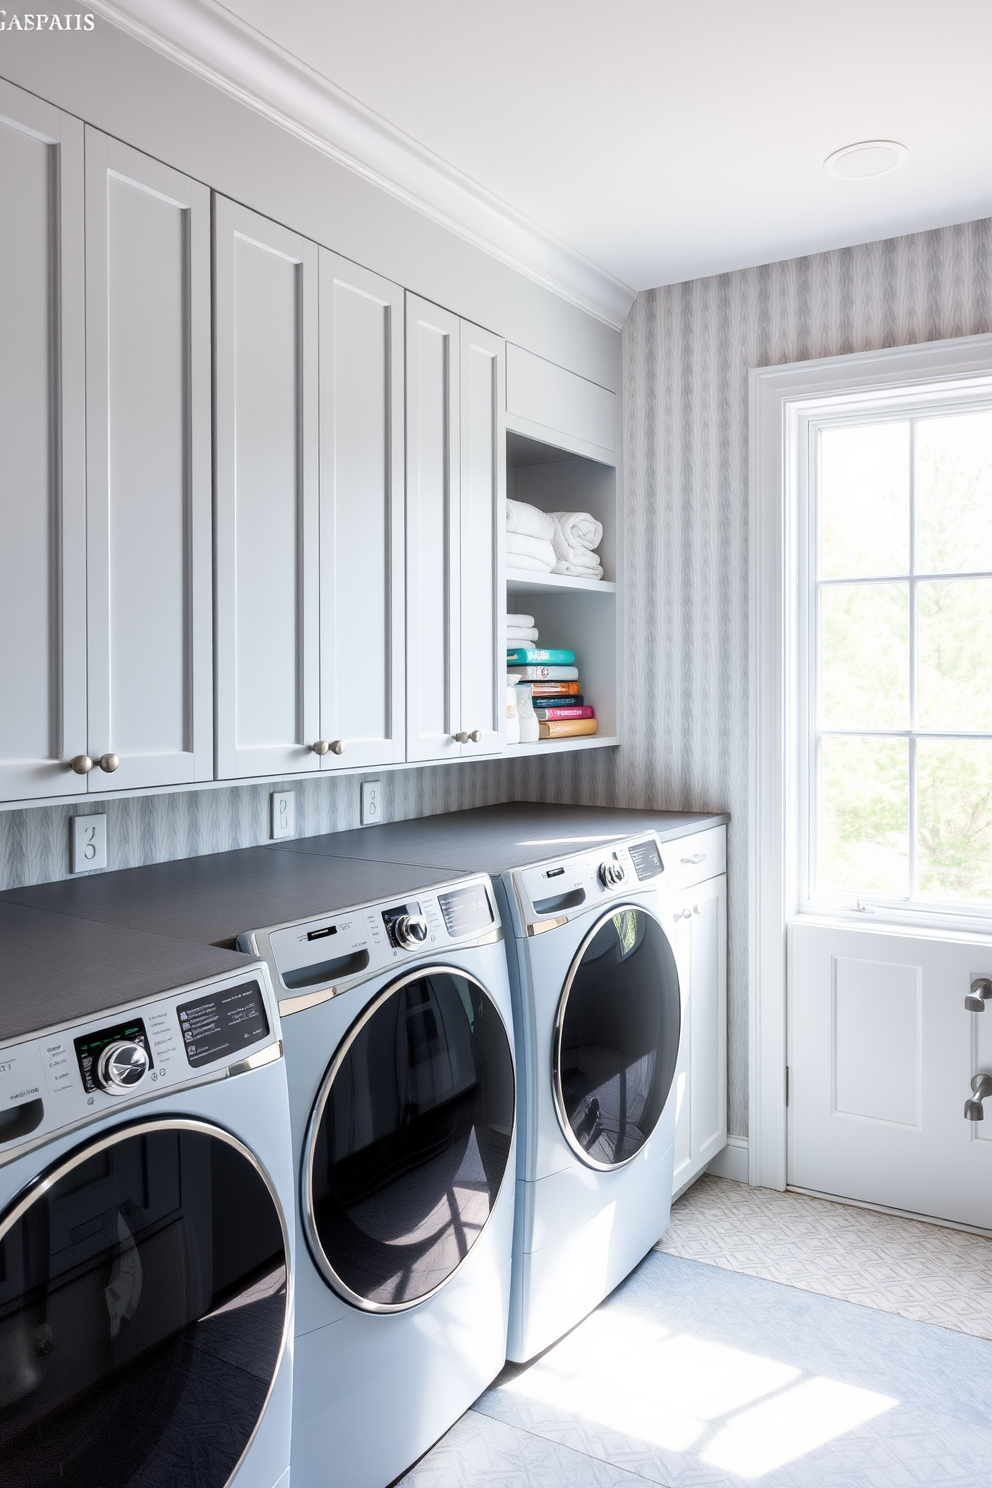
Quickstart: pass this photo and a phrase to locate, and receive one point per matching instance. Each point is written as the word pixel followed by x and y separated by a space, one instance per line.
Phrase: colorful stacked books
pixel 552 677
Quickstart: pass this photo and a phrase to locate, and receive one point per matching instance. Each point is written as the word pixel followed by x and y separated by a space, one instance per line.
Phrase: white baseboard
pixel 732 1161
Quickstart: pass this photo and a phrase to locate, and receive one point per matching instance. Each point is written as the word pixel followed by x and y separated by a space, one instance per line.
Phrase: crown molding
pixel 222 49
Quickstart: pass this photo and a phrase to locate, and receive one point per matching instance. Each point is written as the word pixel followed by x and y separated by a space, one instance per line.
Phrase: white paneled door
pixel 882 1054
pixel 42 450
pixel 266 433
pixel 148 470
pixel 361 517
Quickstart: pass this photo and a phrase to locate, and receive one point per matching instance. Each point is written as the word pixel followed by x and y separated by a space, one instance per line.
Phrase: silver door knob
pixel 337 746
pixel 461 738
pixel 475 735
pixel 108 763
pixel 82 764
pixel 981 1086
pixel 981 991
pixel 320 747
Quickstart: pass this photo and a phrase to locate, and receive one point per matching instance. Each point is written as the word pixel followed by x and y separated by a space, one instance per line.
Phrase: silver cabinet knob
pixel 82 764
pixel 320 747
pixel 475 735
pixel 461 738
pixel 108 763
pixel 337 746
pixel 981 990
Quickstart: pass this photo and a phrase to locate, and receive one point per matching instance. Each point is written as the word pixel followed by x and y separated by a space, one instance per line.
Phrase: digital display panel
pixel 89 1046
pixel 222 1023
pixel 646 860
pixel 466 910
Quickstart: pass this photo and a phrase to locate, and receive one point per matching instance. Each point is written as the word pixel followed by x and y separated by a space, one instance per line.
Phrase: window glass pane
pixel 864 656
pixel 954 805
pixel 864 500
pixel 954 665
pixel 954 493
pixel 864 815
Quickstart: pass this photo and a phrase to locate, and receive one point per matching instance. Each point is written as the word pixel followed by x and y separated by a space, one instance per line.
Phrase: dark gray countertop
pixel 83 946
pixel 493 839
pixel 55 968
pixel 214 899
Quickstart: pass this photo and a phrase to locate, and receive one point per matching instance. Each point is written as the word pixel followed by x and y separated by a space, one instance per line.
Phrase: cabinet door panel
pixel 148 468
pixel 42 489
pixel 708 1058
pixel 684 1170
pixel 483 541
pixel 361 515
pixel 265 282
pixel 433 535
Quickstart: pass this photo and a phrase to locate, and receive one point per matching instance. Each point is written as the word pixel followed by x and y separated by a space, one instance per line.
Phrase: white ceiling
pixel 669 139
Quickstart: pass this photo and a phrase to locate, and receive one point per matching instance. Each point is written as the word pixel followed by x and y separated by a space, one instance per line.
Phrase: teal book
pixel 528 656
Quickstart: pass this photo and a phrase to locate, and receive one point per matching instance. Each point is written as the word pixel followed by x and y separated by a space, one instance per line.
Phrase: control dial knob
pixel 611 873
pixel 410 931
pixel 121 1067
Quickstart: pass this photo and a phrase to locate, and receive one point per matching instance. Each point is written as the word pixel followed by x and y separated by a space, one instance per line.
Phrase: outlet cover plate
pixel 283 823
pixel 88 844
pixel 371 803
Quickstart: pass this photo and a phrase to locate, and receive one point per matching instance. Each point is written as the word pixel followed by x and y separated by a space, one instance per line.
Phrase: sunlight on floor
pixel 741 1412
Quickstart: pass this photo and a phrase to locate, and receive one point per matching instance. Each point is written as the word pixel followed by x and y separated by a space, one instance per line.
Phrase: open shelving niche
pixel 576 614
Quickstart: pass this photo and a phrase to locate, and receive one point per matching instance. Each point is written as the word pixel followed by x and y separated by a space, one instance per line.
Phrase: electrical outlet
pixel 283 814
pixel 88 844
pixel 371 803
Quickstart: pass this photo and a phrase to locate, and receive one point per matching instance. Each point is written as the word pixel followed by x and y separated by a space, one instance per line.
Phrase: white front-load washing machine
pixel 399 1045
pixel 598 1017
pixel 146 1245
pixel 597 1020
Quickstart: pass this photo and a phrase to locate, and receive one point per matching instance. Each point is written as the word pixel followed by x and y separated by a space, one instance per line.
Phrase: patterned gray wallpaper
pixel 687 350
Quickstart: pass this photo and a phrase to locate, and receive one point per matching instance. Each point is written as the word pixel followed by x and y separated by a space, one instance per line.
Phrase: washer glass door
pixel 143 1295
pixel 409 1140
pixel 616 1037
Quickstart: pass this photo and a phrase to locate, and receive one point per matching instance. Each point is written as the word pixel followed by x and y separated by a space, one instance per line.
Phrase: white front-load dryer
pixel 597 1010
pixel 398 1029
pixel 146 1245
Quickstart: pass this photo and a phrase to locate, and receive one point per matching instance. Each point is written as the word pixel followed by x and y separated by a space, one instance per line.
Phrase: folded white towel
pixel 524 621
pixel 575 537
pixel 538 549
pixel 528 520
pixel 580 570
pixel 523 563
pixel 522 637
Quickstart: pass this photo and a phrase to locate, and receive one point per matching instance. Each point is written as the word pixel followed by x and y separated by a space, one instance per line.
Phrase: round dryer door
pixel 143 1296
pixel 409 1140
pixel 616 1037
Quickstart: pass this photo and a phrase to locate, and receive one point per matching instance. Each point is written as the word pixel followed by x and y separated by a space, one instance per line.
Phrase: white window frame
pixel 903 404
pixel 785 400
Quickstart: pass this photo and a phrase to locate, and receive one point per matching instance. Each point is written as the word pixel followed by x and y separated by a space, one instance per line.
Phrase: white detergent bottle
pixel 529 731
pixel 512 718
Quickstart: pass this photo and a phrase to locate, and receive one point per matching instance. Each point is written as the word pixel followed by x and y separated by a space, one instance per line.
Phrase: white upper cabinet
pixel 148 471
pixel 42 473
pixel 550 403
pixel 266 461
pixel 483 541
pixel 455 489
pixel 361 517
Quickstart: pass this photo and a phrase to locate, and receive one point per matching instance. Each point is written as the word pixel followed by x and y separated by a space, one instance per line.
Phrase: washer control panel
pixel 557 889
pixel 70 1075
pixel 314 955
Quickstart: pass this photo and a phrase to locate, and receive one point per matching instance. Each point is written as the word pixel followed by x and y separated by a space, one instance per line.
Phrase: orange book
pixel 566 728
pixel 554 689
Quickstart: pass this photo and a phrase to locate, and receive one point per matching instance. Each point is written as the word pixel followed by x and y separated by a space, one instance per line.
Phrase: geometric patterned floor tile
pixel 916 1270
pixel 696 1376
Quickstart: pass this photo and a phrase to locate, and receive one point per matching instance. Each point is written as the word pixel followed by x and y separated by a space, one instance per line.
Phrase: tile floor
pixel 698 1374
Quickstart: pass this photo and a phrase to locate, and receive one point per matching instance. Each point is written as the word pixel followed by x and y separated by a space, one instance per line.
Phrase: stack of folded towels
pixel 552 542
pixel 548 691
